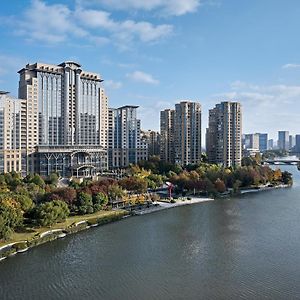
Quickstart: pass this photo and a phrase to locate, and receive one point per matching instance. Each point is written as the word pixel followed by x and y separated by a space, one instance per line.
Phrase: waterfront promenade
pixel 161 205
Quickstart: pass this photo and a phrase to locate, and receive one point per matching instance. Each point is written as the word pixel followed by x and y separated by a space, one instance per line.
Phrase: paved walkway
pixel 164 205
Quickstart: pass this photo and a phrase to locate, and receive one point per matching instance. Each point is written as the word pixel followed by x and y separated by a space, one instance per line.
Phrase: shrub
pixel 20 246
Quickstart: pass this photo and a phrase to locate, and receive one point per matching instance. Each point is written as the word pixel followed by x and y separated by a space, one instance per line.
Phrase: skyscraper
pixel 167 134
pixel 283 140
pixel 12 132
pixel 263 142
pixel 252 141
pixel 297 145
pixel 187 133
pixel 224 134
pixel 66 119
pixel 292 142
pixel 180 131
pixel 153 140
pixel 124 137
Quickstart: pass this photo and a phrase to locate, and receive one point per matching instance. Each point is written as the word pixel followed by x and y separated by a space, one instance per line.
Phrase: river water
pixel 242 248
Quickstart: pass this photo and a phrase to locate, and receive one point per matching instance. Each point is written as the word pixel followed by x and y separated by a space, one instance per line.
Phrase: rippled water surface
pixel 246 248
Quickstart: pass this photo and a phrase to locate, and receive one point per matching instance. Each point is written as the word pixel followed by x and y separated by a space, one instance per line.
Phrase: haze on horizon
pixel 154 53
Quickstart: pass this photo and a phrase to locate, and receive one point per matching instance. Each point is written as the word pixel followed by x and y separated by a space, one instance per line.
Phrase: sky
pixel 156 53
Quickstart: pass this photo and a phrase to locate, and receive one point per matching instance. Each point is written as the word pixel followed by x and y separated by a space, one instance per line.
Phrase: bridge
pixel 283 161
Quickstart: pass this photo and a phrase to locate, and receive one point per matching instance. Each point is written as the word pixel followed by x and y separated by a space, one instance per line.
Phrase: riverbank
pixel 263 188
pixel 34 236
pixel 162 205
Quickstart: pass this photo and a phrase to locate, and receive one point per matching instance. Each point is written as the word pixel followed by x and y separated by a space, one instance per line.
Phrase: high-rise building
pixel 167 135
pixel 292 142
pixel 12 131
pixel 66 119
pixel 256 141
pixel 263 142
pixel 153 140
pixel 124 137
pixel 251 141
pixel 283 140
pixel 187 133
pixel 224 134
pixel 270 144
pixel 297 144
pixel 180 131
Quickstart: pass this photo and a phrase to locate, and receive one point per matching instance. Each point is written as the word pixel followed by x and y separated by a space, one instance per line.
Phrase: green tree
pixel 100 200
pixel 38 180
pixel 11 216
pixel 85 203
pixel 25 201
pixel 115 192
pixel 49 213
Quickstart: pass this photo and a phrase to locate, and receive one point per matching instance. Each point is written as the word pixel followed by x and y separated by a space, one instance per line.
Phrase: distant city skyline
pixel 155 53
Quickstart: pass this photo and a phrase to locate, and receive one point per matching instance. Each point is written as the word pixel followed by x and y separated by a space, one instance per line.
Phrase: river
pixel 242 248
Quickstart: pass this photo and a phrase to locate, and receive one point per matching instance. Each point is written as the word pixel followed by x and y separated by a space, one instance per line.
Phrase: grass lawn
pixel 29 232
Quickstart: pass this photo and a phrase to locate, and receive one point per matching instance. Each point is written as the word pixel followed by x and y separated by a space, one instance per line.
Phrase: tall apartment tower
pixel 152 139
pixel 167 135
pixel 224 134
pixel 263 142
pixel 283 140
pixel 12 132
pixel 297 144
pixel 124 137
pixel 180 131
pixel 66 119
pixel 187 133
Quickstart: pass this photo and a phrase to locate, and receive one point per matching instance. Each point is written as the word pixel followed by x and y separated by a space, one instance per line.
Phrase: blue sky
pixel 154 53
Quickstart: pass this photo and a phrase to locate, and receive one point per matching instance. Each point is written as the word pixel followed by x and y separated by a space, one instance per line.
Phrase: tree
pixel 220 186
pixel 277 176
pixel 236 186
pixel 38 180
pixel 25 201
pixel 135 184
pixel 100 200
pixel 115 192
pixel 85 203
pixel 66 194
pixel 53 178
pixel 49 213
pixel 11 216
pixel 287 178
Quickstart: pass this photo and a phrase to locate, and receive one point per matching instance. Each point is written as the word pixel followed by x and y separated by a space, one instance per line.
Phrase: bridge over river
pixel 282 161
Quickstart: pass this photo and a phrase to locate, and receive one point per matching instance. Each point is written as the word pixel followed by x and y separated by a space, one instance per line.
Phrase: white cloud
pixel 122 30
pixel 139 76
pixel 48 23
pixel 266 107
pixel 57 23
pixel 115 85
pixel 10 64
pixel 168 7
pixel 291 66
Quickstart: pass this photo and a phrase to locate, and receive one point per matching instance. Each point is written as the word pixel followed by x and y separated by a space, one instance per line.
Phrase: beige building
pixel 152 138
pixel 224 134
pixel 167 135
pixel 187 133
pixel 12 132
pixel 181 133
pixel 125 142
pixel 66 119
